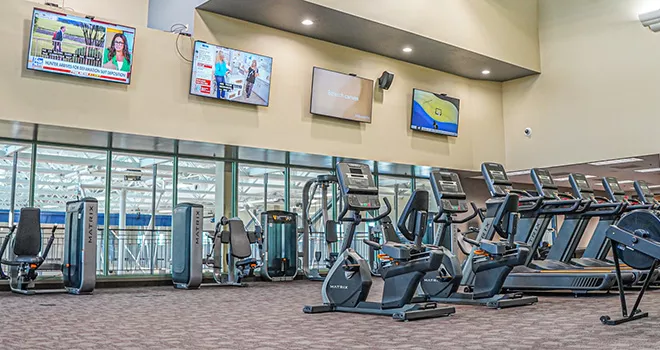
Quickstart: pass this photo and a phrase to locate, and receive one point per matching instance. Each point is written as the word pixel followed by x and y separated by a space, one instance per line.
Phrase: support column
pixel 12 199
pixel 121 246
pixel 152 222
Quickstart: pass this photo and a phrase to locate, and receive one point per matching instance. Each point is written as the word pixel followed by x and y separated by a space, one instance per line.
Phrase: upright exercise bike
pixel 347 285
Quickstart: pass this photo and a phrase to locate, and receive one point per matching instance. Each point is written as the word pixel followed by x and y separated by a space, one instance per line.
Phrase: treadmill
pixel 531 278
pixel 569 235
pixel 644 194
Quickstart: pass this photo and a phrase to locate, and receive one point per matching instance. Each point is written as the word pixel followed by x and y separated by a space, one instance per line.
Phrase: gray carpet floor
pixel 269 316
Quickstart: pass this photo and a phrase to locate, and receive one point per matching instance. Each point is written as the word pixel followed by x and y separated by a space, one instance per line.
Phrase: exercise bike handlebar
pixel 388 210
pixel 437 218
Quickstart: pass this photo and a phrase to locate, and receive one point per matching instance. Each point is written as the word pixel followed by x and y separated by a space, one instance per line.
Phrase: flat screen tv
pixel 81 47
pixel 434 113
pixel 233 75
pixel 341 95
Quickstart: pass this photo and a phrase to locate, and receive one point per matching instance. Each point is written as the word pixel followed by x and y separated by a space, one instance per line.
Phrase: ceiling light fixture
pixel 651 20
pixel 519 172
pixel 625 182
pixel 485 72
pixel 654 186
pixel 561 179
pixel 407 49
pixel 307 22
pixel 589 176
pixel 616 161
pixel 649 170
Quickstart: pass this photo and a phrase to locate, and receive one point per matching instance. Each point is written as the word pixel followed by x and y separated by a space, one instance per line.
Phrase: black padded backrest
pixel 238 239
pixel 331 231
pixel 27 241
pixel 389 233
pixel 418 202
pixel 501 219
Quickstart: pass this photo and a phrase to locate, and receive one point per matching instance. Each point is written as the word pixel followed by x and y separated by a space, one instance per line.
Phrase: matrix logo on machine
pixel 197 226
pixel 90 224
pixel 338 286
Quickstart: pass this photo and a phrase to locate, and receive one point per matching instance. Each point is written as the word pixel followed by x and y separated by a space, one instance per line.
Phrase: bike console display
pixel 496 179
pixel 613 189
pixel 580 186
pixel 358 186
pixel 544 184
pixel 448 192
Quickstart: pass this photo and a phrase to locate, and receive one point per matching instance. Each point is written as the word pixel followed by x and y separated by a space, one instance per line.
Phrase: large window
pixel 11 155
pixel 203 182
pixel 63 175
pixel 259 188
pixel 140 214
pixel 397 190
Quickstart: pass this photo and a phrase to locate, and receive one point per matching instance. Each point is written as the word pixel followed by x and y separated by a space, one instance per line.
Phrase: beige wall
pixel 502 29
pixel 598 95
pixel 128 12
pixel 157 102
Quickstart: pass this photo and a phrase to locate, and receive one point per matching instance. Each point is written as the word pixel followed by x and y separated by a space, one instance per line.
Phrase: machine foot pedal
pixel 317 309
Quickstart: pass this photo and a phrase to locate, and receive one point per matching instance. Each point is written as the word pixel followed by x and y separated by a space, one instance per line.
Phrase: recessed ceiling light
pixel 307 22
pixel 519 172
pixel 617 161
pixel 649 170
pixel 407 49
pixel 485 72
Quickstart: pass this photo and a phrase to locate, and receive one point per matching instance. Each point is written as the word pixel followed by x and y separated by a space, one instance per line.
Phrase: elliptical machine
pixel 491 262
pixel 347 285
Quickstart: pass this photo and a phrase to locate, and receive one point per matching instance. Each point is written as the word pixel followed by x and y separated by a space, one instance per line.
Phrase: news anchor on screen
pixel 117 55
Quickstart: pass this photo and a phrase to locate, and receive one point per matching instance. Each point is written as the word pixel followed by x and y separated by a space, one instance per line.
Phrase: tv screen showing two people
pixel 82 47
pixel 341 95
pixel 228 74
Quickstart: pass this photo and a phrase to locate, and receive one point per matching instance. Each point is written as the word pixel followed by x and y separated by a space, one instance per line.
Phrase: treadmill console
pixel 544 184
pixel 644 192
pixel 358 186
pixel 496 180
pixel 448 192
pixel 613 189
pixel 580 186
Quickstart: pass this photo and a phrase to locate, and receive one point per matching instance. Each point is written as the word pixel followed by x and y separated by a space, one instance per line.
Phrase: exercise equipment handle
pixel 560 206
pixel 474 214
pixel 478 210
pixel 372 244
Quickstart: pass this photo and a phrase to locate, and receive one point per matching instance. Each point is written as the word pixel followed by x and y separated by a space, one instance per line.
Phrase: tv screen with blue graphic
pixel 434 113
pixel 80 46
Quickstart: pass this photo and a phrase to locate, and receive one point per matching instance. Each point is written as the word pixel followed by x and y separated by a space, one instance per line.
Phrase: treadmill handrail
pixel 617 208
pixel 559 206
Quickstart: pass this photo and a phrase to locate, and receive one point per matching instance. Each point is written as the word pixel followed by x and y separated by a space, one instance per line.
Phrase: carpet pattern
pixel 269 316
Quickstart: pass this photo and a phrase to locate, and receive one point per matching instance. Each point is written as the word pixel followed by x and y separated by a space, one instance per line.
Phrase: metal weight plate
pixel 639 223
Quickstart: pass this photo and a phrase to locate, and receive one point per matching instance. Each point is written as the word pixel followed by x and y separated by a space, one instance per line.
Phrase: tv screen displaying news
pixel 232 75
pixel 434 113
pixel 341 95
pixel 81 47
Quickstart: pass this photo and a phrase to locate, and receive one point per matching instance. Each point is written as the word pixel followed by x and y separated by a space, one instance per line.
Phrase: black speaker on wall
pixel 385 80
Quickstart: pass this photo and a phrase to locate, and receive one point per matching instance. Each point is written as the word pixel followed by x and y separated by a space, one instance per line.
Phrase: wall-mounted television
pixel 80 46
pixel 233 75
pixel 341 95
pixel 434 113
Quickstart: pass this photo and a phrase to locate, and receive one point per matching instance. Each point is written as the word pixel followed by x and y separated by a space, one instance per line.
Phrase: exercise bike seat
pixel 238 239
pixel 429 261
pixel 493 248
pixel 396 251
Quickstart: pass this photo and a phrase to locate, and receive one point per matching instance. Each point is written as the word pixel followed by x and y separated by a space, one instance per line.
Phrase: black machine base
pixel 500 301
pixel 610 322
pixel 409 312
